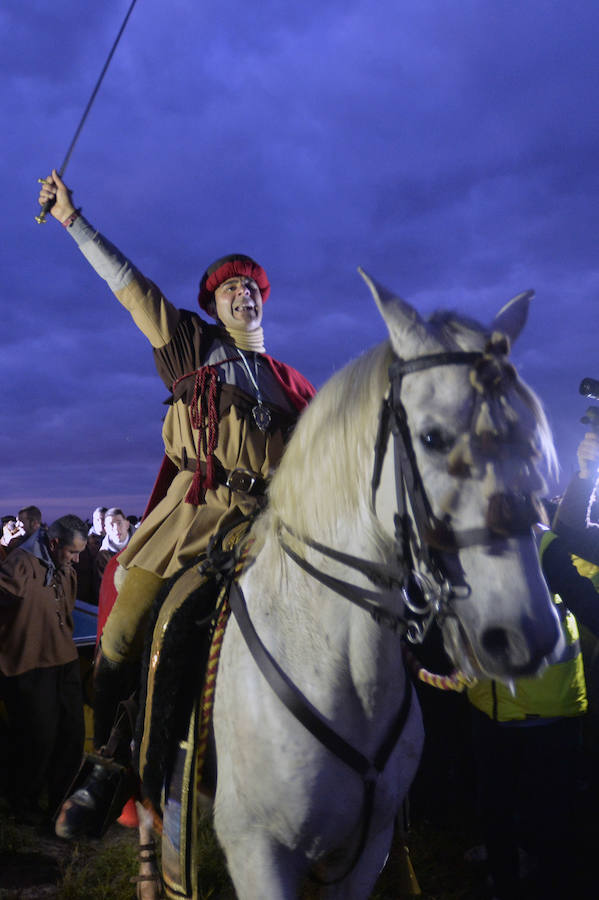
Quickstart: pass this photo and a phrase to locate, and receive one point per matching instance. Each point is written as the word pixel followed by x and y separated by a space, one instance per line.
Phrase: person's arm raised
pixel 153 314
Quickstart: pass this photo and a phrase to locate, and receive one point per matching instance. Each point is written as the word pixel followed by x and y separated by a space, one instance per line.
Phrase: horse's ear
pixel 399 316
pixel 512 317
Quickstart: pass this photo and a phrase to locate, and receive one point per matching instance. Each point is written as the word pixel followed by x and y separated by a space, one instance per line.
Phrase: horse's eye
pixel 436 440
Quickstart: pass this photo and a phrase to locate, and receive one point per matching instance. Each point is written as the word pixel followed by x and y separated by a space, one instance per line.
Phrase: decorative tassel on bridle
pixel 204 408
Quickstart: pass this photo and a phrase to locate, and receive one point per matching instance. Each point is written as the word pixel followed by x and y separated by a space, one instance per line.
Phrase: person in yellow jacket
pixel 527 741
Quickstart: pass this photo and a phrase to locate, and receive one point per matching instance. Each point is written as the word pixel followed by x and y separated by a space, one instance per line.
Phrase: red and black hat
pixel 227 267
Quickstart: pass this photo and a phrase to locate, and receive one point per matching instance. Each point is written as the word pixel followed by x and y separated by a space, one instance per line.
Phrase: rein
pixel 420 537
pixel 370 601
pixel 435 592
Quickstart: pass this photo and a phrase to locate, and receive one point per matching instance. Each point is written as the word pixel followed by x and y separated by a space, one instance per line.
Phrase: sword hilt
pixel 41 219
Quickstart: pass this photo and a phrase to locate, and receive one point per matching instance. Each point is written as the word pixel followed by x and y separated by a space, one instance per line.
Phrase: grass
pixel 435 856
pixel 100 870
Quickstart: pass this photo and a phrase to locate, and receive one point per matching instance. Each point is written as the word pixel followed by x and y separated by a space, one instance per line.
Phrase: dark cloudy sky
pixel 451 148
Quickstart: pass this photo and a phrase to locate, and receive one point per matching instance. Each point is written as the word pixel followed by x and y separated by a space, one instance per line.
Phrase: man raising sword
pixel 231 410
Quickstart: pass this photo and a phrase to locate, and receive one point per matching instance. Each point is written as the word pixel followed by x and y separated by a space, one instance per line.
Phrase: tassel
pixel 484 424
pixel 206 380
pixel 490 485
pixel 196 495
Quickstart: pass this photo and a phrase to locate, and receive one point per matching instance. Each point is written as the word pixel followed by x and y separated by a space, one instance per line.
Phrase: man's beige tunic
pixel 175 531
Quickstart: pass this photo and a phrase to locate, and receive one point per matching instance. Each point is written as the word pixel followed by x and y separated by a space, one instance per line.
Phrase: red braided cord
pixel 206 377
pixel 220 362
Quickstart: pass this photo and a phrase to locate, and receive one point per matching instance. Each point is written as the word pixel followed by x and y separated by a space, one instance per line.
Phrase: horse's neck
pixel 334 650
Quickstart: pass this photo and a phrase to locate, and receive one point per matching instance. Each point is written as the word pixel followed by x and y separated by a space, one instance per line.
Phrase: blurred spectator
pixel 574 521
pixel 11 532
pixel 118 534
pixel 40 666
pixel 528 749
pixel 16 529
pixel 87 589
pixel 29 519
pixel 96 533
pixel 527 743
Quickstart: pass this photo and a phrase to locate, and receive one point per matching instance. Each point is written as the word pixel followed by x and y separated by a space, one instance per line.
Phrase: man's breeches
pixel 125 629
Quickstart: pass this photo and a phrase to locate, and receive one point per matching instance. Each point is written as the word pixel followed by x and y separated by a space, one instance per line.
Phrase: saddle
pixel 178 643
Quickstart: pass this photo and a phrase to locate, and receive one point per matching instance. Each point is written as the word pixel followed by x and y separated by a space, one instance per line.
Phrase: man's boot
pixel 106 779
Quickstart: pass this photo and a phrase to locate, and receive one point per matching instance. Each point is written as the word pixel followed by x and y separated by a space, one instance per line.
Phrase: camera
pixel 589 387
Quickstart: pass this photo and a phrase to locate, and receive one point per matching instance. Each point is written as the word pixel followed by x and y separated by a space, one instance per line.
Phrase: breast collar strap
pixel 368 768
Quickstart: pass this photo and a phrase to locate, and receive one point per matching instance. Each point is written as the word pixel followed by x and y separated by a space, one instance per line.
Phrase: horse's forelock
pixel 457 332
pixel 453 331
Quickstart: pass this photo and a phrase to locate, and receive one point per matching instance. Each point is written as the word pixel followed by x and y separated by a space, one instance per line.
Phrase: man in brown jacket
pixel 39 666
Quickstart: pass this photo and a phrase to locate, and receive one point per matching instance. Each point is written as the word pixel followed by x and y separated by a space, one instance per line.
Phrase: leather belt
pixel 240 481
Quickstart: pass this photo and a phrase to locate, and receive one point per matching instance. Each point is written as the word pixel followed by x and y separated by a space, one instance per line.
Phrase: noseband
pixel 423 540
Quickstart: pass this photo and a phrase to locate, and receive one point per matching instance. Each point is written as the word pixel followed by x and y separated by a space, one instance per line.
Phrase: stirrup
pixel 95 799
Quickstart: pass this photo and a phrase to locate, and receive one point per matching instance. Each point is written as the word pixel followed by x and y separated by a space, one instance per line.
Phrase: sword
pixel 41 218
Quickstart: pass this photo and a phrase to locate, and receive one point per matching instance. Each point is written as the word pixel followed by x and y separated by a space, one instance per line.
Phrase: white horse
pixel 383 512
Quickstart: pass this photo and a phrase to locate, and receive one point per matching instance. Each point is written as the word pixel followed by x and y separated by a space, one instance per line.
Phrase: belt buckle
pixel 241 480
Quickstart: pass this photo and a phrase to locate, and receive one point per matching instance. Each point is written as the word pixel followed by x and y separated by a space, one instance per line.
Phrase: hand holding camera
pixel 588 449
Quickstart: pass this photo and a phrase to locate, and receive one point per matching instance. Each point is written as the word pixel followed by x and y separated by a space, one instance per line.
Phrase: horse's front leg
pixel 261 868
pixel 359 883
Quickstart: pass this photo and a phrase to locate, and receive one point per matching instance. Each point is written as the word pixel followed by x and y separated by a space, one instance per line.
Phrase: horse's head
pixel 469 437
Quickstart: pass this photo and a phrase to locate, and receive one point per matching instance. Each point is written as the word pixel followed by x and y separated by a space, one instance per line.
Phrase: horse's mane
pixel 333 442
pixel 334 438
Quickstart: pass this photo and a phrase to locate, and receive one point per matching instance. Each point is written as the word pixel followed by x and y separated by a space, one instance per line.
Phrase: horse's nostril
pixel 495 641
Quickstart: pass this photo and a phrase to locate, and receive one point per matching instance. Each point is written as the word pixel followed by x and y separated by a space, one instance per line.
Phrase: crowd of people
pixel 44 569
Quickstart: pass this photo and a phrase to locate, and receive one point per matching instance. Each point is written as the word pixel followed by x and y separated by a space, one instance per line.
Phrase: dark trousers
pixel 46 733
pixel 527 781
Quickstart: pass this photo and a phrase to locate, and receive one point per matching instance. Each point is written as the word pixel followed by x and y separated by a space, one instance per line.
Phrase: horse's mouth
pixel 460 650
pixel 501 657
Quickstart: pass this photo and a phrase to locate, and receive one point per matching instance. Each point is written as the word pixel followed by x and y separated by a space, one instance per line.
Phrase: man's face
pixel 117 528
pixel 98 521
pixel 28 524
pixel 65 555
pixel 238 303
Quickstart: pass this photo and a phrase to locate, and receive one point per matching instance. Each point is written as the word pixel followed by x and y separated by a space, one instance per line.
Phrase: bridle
pixel 422 541
pixel 424 596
